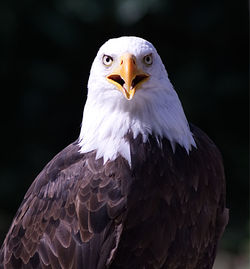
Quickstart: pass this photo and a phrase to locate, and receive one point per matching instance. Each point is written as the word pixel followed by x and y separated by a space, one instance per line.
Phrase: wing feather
pixel 64 213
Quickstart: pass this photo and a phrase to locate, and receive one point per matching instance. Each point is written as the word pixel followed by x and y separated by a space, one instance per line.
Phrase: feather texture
pixel 165 211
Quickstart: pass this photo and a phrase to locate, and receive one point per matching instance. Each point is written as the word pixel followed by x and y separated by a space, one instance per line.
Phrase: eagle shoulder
pixel 74 199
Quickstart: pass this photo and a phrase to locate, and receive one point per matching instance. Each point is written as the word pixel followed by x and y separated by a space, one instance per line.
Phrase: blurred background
pixel 46 51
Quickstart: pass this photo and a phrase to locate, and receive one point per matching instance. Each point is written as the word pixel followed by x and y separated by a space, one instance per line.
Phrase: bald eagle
pixel 140 189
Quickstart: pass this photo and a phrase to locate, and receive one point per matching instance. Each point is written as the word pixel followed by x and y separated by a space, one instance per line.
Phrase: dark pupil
pixel 147 59
pixel 107 59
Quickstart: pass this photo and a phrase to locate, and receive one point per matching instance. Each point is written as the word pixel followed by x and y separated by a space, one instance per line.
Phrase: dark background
pixel 47 48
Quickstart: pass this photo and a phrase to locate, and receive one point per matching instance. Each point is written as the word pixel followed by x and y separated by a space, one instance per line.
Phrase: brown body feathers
pixel 166 211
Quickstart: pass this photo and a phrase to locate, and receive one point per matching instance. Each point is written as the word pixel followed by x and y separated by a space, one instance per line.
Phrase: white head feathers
pixel 155 108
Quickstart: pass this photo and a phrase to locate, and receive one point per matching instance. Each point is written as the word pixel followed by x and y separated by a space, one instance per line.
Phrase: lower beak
pixel 127 77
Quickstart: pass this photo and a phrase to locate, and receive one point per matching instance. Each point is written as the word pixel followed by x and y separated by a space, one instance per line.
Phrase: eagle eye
pixel 107 60
pixel 148 59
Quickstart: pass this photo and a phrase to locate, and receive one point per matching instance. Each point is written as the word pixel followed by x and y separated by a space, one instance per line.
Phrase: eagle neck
pixel 106 124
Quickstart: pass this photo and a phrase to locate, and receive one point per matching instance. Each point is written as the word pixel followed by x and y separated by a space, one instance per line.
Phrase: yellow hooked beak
pixel 127 77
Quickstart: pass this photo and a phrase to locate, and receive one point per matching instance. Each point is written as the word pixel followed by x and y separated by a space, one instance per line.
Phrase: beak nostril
pixel 121 62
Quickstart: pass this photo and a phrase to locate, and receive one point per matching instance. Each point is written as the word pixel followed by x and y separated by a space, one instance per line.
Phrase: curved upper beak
pixel 127 77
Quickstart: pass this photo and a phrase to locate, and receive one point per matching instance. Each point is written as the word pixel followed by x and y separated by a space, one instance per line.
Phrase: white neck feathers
pixel 105 124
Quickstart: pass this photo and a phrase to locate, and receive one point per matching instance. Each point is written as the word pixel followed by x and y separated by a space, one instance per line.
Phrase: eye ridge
pixel 148 59
pixel 107 60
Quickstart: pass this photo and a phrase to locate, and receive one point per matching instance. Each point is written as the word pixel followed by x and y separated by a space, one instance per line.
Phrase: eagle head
pixel 129 91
